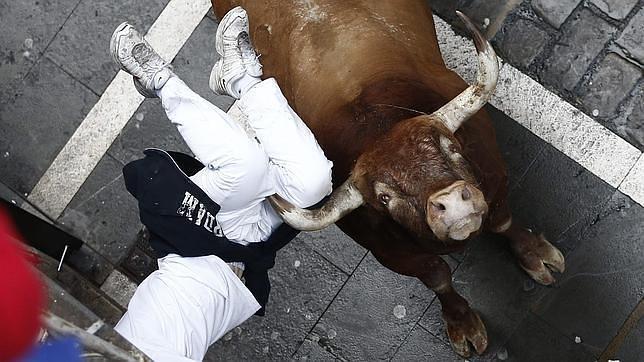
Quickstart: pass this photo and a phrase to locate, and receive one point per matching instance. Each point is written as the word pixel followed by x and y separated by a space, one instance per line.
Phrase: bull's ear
pixel 466 104
pixel 342 201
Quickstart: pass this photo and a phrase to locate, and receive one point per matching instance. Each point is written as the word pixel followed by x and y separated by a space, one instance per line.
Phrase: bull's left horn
pixel 459 109
pixel 343 200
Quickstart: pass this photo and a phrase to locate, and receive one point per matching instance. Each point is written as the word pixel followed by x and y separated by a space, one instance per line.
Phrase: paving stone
pixel 335 247
pixel 574 52
pixel 103 213
pixel 9 195
pixel 490 279
pixel 91 296
pixel 554 202
pixel 143 241
pixel 422 346
pixel 631 38
pixel 445 9
pixel 522 41
pixel 610 85
pixel 149 127
pixel 139 265
pixel 299 296
pixel 518 146
pixel 64 305
pixel 373 313
pixel 82 45
pixel 603 281
pixel 534 340
pixel 90 264
pixel 119 287
pixel 555 12
pixel 616 9
pixel 211 15
pixel 27 29
pixel 38 123
pixel 634 127
pixel 80 287
pixel 313 350
pixel 488 15
pixel 632 349
pixel 195 60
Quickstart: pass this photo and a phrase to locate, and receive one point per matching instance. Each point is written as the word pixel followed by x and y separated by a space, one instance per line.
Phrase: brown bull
pixel 414 179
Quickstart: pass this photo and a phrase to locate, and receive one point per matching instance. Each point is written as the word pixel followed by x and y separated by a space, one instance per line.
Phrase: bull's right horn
pixel 342 201
pixel 461 108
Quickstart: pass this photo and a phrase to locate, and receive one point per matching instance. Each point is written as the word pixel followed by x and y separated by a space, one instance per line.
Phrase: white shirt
pixel 184 307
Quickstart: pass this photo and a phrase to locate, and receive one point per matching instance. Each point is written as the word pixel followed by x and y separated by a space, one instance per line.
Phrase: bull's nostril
pixel 438 206
pixel 466 194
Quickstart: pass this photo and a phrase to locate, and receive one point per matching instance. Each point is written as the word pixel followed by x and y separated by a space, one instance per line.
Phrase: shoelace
pixel 249 57
pixel 147 59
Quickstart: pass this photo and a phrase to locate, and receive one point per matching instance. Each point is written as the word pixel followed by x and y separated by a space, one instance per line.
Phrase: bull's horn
pixel 343 200
pixel 459 109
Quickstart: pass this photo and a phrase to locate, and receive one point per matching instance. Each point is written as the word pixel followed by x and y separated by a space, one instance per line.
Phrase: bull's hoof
pixel 539 258
pixel 466 328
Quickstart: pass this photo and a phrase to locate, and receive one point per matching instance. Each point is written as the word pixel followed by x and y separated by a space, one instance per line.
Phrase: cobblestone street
pixel 589 52
pixel 569 119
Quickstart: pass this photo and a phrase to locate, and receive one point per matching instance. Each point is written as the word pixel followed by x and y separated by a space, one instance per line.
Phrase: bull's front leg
pixel 536 255
pixel 463 324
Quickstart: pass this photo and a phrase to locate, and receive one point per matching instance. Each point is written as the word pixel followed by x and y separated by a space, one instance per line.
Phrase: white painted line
pixel 109 115
pixel 569 130
pixel 633 185
pixel 551 118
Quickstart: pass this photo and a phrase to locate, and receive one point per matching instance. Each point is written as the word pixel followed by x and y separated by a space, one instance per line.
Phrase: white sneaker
pixel 238 58
pixel 134 55
pixel 231 25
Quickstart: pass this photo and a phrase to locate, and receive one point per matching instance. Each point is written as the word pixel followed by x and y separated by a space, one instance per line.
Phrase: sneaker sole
pixel 235 12
pixel 114 41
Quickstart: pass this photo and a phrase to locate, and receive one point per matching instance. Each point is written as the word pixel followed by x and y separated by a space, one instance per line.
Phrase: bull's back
pixel 323 52
pixel 328 55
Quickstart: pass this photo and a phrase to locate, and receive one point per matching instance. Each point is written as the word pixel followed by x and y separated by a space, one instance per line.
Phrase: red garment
pixel 22 296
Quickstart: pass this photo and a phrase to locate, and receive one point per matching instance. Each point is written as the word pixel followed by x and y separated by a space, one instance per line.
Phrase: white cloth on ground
pixel 178 311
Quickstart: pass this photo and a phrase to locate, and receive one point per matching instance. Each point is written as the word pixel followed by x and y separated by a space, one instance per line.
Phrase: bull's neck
pixel 351 127
pixel 387 101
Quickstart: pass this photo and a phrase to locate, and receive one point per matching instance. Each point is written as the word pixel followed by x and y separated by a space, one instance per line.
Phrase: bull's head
pixel 440 195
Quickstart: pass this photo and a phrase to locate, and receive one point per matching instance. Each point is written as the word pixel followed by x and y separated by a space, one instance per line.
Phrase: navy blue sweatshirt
pixel 181 218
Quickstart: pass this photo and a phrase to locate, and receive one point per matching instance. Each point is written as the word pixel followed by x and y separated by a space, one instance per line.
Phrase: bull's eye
pixel 384 199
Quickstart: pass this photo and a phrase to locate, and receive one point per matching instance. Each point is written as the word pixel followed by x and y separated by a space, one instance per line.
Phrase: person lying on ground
pixel 202 214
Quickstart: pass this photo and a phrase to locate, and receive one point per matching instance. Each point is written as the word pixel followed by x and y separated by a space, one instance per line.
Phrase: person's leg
pixel 302 172
pixel 236 165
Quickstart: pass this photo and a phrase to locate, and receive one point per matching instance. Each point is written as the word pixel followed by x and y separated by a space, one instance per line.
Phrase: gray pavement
pixel 331 299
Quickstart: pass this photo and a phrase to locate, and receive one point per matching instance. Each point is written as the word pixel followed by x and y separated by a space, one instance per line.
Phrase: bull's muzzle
pixel 456 211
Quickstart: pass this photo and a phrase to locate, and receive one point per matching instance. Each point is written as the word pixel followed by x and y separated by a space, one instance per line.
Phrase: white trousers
pixel 242 170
